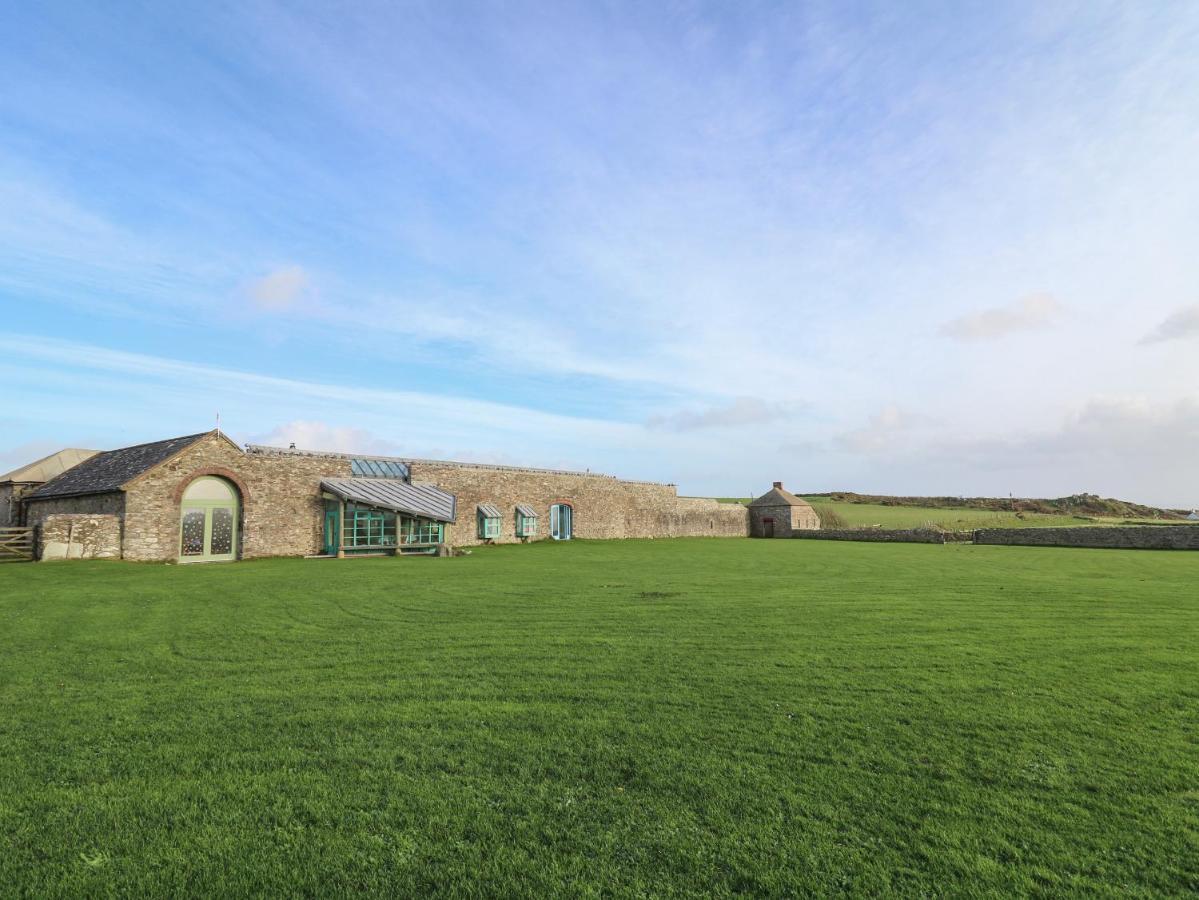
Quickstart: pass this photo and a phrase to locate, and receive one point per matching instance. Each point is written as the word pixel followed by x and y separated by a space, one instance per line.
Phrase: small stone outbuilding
pixel 778 513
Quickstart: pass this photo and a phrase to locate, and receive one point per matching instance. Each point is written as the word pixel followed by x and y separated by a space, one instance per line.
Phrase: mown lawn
pixel 694 717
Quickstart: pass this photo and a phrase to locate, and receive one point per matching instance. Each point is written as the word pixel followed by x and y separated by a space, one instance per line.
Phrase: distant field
pixel 629 718
pixel 868 515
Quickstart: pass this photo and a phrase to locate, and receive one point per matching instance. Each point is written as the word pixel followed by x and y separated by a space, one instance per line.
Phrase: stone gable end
pixel 279 496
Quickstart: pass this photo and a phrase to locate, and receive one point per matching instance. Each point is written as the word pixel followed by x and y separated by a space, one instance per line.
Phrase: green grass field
pixel 869 515
pixel 690 717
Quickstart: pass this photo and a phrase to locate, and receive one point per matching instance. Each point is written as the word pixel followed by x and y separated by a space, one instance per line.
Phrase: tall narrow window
pixel 561 521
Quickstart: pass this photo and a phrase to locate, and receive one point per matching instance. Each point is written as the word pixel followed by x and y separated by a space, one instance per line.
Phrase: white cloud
pixel 308 434
pixel 881 434
pixel 736 413
pixel 281 290
pixel 1183 323
pixel 1032 313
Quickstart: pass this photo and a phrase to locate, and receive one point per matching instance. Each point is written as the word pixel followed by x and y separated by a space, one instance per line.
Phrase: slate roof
pixel 48 466
pixel 527 511
pixel 107 472
pixel 489 511
pixel 777 496
pixel 422 500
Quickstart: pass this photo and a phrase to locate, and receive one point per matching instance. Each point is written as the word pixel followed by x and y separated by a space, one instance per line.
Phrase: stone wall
pixel 1147 537
pixel 37 511
pixel 78 536
pixel 9 514
pixel 780 516
pixel 787 519
pixel 884 535
pixel 603 507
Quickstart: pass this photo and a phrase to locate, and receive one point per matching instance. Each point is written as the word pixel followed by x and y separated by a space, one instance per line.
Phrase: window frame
pixel 489 526
pixel 526 526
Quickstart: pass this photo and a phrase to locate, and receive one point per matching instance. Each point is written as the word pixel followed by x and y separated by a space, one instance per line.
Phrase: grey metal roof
pixel 527 511
pixel 107 472
pixel 489 511
pixel 422 500
pixel 48 466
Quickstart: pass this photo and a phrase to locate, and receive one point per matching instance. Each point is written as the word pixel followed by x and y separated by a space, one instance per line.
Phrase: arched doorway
pixel 561 521
pixel 208 517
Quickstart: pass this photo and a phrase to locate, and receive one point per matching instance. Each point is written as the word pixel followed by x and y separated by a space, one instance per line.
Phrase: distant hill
pixel 1076 505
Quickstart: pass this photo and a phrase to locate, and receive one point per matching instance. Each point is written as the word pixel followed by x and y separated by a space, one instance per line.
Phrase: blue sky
pixel 915 248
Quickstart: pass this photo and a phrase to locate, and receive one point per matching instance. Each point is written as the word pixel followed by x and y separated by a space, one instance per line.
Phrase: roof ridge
pixel 266 449
pixel 181 437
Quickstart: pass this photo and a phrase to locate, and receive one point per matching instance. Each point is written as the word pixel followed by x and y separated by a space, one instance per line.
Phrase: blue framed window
pixel 421 531
pixel 526 522
pixel 368 528
pixel 489 522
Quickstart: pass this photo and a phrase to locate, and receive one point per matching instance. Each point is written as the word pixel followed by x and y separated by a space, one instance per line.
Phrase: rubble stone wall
pixel 1130 537
pixel 79 536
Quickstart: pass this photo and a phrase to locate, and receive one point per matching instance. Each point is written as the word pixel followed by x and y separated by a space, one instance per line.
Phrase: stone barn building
pixel 202 498
pixel 778 513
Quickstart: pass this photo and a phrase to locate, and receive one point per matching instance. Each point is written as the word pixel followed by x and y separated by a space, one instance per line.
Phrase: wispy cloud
pixel 1183 323
pixel 1032 313
pixel 310 434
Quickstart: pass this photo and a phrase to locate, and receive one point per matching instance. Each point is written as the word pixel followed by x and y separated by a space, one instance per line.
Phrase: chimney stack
pixel 779 485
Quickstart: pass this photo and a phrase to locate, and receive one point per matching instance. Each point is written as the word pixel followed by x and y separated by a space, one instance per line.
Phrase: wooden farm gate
pixel 16 544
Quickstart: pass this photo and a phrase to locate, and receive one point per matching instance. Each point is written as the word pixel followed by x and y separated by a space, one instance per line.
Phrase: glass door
pixel 208 521
pixel 561 523
pixel 332 529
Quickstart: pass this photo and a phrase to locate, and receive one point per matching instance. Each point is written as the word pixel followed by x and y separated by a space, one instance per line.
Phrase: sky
pixel 919 248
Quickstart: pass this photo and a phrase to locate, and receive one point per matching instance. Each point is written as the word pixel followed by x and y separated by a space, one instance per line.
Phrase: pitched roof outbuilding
pixel 107 472
pixel 777 496
pixel 48 466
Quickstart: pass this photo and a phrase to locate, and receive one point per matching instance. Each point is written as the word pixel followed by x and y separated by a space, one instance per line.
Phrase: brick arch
pixel 227 474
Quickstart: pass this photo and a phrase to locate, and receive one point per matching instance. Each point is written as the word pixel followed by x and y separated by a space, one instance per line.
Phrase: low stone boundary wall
pixel 1129 537
pixel 79 536
pixel 892 535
